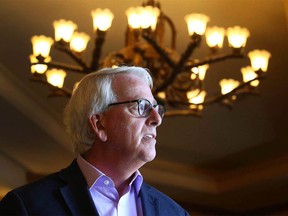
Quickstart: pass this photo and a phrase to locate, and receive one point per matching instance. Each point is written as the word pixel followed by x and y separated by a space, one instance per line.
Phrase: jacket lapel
pixel 150 204
pixel 75 192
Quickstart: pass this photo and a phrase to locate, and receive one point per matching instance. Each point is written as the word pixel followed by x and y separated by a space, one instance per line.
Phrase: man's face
pixel 130 136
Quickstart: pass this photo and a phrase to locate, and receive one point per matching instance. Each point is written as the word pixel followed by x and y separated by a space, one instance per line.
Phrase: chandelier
pixel 178 78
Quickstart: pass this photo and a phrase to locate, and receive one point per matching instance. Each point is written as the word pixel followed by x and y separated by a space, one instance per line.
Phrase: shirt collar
pixel 92 174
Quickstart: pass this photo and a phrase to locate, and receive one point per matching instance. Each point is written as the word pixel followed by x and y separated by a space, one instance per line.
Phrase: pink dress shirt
pixel 105 195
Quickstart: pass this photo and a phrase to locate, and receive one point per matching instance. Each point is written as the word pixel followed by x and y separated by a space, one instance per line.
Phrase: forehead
pixel 130 86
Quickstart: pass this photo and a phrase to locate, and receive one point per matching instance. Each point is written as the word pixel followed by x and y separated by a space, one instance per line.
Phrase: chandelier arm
pixel 221 97
pixel 187 53
pixel 179 67
pixel 235 91
pixel 76 57
pixel 167 82
pixel 173 30
pixel 163 54
pixel 188 112
pixel 63 66
pixel 213 59
pixel 57 91
pixel 98 44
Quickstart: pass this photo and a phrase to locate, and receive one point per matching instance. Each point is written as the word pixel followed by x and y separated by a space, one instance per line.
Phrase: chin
pixel 150 156
pixel 148 151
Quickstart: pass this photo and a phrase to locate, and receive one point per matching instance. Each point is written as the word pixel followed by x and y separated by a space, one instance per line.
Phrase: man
pixel 112 118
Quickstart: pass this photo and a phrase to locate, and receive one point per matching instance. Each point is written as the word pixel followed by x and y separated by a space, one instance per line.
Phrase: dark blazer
pixel 66 193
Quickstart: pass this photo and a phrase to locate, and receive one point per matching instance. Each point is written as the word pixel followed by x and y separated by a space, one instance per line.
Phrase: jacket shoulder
pixel 21 200
pixel 39 196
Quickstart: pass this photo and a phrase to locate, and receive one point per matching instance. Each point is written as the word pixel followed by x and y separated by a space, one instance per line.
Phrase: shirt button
pixel 106 182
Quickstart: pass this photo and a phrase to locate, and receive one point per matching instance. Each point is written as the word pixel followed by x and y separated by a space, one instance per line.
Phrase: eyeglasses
pixel 144 107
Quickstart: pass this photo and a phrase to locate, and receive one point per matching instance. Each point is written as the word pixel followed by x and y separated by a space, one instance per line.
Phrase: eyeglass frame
pixel 138 107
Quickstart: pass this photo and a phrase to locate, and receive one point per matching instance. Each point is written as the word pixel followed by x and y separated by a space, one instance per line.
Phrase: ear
pixel 97 127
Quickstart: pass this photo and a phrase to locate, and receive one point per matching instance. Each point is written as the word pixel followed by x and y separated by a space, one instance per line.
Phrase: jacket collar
pixel 150 204
pixel 75 192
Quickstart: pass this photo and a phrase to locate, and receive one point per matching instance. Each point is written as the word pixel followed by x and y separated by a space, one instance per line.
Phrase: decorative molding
pixel 200 180
pixel 14 176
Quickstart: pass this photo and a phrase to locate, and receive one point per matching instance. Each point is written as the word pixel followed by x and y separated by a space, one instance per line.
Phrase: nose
pixel 154 117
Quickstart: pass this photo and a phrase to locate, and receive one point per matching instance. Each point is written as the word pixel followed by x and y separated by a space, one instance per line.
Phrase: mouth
pixel 150 136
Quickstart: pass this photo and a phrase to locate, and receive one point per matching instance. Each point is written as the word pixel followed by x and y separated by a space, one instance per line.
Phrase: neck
pixel 119 171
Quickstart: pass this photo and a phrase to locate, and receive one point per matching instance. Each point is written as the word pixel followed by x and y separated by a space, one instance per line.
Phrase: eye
pixel 142 107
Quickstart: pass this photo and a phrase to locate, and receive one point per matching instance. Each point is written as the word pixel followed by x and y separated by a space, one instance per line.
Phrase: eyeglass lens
pixel 145 107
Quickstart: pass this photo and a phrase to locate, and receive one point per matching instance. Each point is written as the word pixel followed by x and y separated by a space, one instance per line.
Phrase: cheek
pixel 130 133
pixel 124 128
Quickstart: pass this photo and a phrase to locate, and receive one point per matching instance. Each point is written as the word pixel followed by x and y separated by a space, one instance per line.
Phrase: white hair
pixel 92 95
